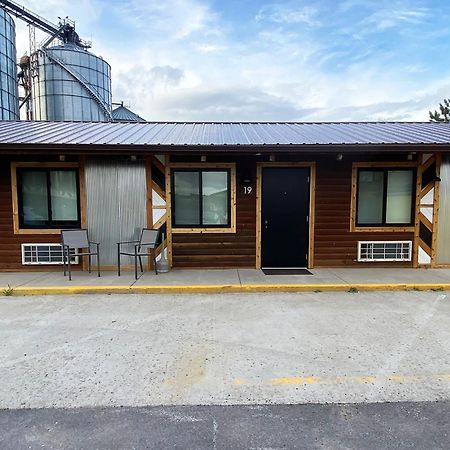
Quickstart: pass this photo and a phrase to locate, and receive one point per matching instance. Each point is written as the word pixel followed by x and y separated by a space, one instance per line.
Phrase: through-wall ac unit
pixel 44 254
pixel 373 251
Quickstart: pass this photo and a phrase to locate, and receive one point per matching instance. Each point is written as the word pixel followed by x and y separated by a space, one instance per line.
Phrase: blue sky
pixel 256 60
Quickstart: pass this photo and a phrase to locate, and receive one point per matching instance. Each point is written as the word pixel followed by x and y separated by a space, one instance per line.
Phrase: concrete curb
pixel 223 288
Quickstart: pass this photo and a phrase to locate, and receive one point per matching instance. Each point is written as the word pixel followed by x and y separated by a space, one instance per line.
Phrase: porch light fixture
pixel 272 158
pixel 203 158
pixel 133 158
pixel 62 158
pixel 339 157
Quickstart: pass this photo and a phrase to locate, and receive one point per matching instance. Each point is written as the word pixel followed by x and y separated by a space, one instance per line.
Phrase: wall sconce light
pixel 133 158
pixel 272 158
pixel 62 158
pixel 203 158
pixel 246 178
pixel 339 157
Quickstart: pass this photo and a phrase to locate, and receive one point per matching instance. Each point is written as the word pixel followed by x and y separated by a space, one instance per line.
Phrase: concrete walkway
pixel 230 280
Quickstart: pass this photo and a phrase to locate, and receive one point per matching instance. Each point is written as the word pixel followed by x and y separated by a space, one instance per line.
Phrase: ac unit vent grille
pixel 48 254
pixel 373 251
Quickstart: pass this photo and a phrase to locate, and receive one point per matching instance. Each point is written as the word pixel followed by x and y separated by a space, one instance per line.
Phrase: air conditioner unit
pixel 44 254
pixel 373 251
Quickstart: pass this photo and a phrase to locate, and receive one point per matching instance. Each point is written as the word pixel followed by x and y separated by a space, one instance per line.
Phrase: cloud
pixel 392 17
pixel 172 19
pixel 288 14
pixel 231 104
pixel 196 60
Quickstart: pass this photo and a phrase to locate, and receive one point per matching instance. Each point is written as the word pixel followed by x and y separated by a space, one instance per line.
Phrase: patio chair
pixel 148 241
pixel 76 240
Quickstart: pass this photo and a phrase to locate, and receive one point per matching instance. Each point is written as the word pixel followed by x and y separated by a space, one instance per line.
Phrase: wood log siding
pixel 224 249
pixel 335 245
pixel 10 243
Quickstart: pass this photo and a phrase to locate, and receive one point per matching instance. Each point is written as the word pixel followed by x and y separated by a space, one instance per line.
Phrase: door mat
pixel 286 272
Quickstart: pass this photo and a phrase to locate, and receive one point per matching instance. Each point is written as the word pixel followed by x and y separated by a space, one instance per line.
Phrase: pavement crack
pixel 215 426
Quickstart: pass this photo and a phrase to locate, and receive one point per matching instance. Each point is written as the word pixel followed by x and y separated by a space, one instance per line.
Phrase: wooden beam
pixel 169 212
pixel 437 186
pixel 158 190
pixel 158 224
pixel 158 164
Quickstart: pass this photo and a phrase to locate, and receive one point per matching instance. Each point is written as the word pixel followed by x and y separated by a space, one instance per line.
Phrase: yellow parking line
pixel 358 379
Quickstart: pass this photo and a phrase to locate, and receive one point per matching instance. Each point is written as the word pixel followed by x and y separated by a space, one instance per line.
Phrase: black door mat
pixel 286 272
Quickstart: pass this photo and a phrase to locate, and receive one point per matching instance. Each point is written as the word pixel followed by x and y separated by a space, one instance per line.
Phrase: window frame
pixel 19 227
pixel 230 227
pixel 385 168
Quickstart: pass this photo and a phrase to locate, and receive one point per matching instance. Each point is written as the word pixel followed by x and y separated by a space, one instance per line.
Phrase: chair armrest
pixel 153 244
pixel 96 243
pixel 126 242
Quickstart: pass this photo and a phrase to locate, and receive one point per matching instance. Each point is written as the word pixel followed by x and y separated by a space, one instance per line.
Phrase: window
pixel 201 198
pixel 48 198
pixel 385 197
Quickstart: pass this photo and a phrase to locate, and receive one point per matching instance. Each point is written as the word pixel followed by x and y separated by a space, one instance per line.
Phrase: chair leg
pixel 135 264
pixel 154 264
pixel 98 260
pixel 140 263
pixel 64 260
pixel 89 263
pixel 68 263
pixel 118 260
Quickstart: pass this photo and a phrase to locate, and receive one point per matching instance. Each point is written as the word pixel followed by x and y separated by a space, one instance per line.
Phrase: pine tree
pixel 443 115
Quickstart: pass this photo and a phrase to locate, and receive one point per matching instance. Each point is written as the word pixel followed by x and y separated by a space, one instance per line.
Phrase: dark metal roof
pixel 223 133
pixel 123 114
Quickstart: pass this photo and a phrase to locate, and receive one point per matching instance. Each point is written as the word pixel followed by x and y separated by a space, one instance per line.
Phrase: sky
pixel 248 60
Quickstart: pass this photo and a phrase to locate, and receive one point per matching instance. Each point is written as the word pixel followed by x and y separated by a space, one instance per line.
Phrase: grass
pixel 8 291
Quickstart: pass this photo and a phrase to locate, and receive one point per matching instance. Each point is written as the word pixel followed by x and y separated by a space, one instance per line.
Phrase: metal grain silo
pixel 9 99
pixel 70 83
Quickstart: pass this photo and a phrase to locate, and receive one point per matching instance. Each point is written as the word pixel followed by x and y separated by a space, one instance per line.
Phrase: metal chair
pixel 148 241
pixel 78 239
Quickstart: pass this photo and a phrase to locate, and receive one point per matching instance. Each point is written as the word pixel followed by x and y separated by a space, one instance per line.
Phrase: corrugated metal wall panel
pixel 116 204
pixel 443 236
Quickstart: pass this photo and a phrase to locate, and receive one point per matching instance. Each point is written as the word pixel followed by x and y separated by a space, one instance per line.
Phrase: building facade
pixel 229 195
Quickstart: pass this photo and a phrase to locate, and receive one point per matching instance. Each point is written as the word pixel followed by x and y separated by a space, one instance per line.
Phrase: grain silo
pixel 9 100
pixel 70 83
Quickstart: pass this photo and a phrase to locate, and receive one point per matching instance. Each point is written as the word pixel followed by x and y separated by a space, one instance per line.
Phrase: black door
pixel 284 217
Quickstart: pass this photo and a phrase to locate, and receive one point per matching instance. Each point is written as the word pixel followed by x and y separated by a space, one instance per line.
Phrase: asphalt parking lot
pixel 372 426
